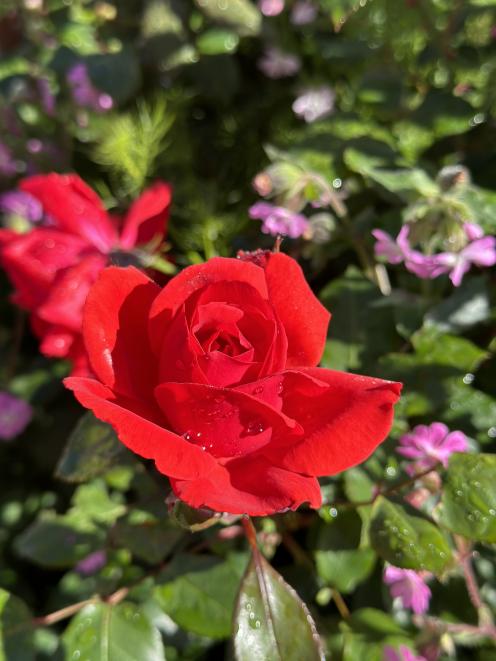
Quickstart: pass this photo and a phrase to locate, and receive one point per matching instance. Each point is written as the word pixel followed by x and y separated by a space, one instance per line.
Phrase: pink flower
pixel 481 252
pixel 271 7
pixel 15 416
pixel 315 103
pixel 393 250
pixel 277 64
pixel 303 12
pixel 279 220
pixel 428 445
pixel 403 653
pixel 409 588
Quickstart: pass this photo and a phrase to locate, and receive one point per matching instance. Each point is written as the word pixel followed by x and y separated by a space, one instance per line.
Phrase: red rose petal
pixel 225 422
pixel 249 486
pixel 115 331
pixel 343 426
pixel 147 218
pixel 194 278
pixel 304 319
pixel 74 206
pixel 173 455
pixel 32 261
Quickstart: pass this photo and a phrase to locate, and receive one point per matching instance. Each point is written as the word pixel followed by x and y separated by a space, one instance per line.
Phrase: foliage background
pixel 415 92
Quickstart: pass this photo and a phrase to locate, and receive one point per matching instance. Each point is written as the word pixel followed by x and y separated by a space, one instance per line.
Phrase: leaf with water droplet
pixel 468 504
pixel 107 632
pixel 270 620
pixel 406 541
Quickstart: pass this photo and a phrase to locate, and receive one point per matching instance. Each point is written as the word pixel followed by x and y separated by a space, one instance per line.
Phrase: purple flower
pixel 92 563
pixel 303 12
pixel 84 92
pixel 315 103
pixel 279 220
pixel 409 588
pixel 481 252
pixel 276 64
pixel 24 205
pixel 403 653
pixel 428 445
pixel 7 162
pixel 271 7
pixel 15 415
pixel 46 96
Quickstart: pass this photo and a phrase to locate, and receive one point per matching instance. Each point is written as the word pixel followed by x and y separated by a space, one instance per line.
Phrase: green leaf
pixel 270 621
pixel 242 15
pixel 467 306
pixel 362 326
pixel 58 541
pixel 468 504
pixel 93 447
pixel 407 541
pixel 16 629
pixel 93 502
pixel 344 570
pixel 107 632
pixel 118 74
pixel 433 347
pixel 215 42
pixel 149 540
pixel 198 593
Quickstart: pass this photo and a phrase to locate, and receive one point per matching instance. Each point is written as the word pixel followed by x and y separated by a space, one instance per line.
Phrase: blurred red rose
pixel 52 267
pixel 214 377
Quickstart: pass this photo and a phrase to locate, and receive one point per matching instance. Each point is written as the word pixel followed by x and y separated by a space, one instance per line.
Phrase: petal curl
pixel 249 486
pixel 342 426
pixel 194 278
pixel 139 429
pixel 115 331
pixel 147 218
pixel 304 318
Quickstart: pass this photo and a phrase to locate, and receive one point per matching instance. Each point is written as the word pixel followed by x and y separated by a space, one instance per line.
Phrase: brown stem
pixel 465 557
pixel 251 533
pixel 341 604
pixel 63 613
pixel 387 492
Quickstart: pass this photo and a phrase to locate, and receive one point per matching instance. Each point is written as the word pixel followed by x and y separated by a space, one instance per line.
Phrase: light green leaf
pixel 107 632
pixel 242 15
pixel 468 505
pixel 344 570
pixel 270 621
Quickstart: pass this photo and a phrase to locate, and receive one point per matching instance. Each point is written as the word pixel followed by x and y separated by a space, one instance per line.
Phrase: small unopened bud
pixel 262 183
pixel 453 175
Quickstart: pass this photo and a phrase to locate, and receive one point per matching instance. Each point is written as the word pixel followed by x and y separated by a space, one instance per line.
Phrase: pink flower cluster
pixel 279 220
pixel 480 250
pixel 427 445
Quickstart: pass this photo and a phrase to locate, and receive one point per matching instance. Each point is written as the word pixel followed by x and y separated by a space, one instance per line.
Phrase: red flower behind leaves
pixel 214 377
pixel 53 267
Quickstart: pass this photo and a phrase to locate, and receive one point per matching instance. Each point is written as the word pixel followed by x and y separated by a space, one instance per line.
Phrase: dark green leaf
pixel 199 593
pixel 107 632
pixel 58 541
pixel 468 305
pixel 271 622
pixel 149 540
pixel 407 541
pixel 468 505
pixel 93 447
pixel 16 629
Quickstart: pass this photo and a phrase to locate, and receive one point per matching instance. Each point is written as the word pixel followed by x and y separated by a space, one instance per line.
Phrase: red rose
pixel 52 267
pixel 214 378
